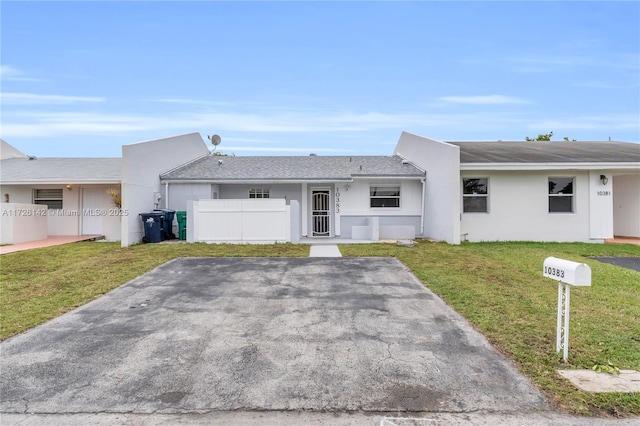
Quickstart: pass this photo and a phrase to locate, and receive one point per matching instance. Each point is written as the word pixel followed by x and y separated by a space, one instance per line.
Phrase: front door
pixel 320 213
pixel 91 204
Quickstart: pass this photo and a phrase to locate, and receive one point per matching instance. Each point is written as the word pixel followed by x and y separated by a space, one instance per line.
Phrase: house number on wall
pixel 337 200
pixel 604 193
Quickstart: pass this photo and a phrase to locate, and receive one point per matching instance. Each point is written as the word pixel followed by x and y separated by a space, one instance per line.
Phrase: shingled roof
pixel 548 152
pixel 60 170
pixel 292 168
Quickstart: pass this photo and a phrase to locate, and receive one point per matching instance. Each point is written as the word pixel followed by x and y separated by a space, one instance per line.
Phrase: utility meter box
pixel 568 272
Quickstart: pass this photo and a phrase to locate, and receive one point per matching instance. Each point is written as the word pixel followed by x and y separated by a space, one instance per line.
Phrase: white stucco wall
pixel 518 208
pixel 22 222
pixel 276 190
pixel 626 205
pixel 442 189
pixel 9 151
pixel 355 200
pixel 69 219
pixel 142 164
pixel 17 194
pixel 181 193
pixel 60 222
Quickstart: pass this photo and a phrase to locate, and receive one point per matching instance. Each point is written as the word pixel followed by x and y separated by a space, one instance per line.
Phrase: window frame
pixel 476 195
pixel 44 200
pixel 391 197
pixel 258 193
pixel 571 196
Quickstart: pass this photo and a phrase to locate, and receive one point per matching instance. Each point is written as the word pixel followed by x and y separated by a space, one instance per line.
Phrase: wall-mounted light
pixel 346 187
pixel 69 187
pixel 604 179
pixel 6 197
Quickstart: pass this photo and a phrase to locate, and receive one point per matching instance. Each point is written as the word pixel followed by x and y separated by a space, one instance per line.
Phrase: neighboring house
pixel 528 191
pixel 57 196
pixel 68 196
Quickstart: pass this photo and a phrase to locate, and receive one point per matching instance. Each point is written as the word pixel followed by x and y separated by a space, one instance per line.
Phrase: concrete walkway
pixel 48 242
pixel 325 251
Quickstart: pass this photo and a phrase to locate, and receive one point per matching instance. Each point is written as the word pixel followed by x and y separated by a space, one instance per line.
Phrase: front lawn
pixel 498 287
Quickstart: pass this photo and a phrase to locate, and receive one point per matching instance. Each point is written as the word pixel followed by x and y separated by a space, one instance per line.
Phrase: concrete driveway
pixel 220 334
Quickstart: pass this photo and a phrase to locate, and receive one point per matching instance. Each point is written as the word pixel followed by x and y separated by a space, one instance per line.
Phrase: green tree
pixel 545 137
pixel 541 137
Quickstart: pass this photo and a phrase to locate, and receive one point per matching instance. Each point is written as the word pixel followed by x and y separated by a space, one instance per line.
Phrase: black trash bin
pixel 167 223
pixel 152 223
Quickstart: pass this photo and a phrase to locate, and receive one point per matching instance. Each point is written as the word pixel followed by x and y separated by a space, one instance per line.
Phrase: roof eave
pixel 551 166
pixel 63 182
pixel 251 181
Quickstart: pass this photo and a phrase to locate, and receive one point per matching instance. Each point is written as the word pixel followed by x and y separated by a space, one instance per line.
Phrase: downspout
pixel 424 187
pixel 166 195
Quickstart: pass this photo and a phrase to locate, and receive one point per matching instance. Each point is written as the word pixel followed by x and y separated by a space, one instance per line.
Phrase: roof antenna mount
pixel 215 141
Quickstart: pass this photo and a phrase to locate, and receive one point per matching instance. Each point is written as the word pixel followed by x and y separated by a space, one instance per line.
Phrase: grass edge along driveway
pixel 498 287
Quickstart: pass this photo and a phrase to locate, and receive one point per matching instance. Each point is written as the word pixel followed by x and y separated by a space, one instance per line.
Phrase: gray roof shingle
pixel 548 152
pixel 61 170
pixel 292 168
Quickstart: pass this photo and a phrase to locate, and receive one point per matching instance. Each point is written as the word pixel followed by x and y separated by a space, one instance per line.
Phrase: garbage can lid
pixel 151 214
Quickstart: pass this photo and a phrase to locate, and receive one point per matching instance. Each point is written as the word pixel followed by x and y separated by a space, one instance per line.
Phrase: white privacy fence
pixel 239 221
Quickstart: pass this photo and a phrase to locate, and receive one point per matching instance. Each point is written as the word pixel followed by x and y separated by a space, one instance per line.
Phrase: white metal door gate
pixel 320 213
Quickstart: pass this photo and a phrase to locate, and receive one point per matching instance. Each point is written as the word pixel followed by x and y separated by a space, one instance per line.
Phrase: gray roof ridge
pixel 186 163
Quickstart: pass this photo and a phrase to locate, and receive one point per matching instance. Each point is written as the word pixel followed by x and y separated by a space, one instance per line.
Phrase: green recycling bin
pixel 181 217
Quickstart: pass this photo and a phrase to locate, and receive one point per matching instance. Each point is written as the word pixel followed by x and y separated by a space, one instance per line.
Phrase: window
pixel 48 197
pixel 258 192
pixel 560 195
pixel 474 195
pixel 385 196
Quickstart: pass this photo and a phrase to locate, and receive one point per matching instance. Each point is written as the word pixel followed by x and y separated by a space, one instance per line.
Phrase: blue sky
pixel 337 78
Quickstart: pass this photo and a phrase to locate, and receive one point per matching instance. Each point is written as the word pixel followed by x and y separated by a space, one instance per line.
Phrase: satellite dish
pixel 215 140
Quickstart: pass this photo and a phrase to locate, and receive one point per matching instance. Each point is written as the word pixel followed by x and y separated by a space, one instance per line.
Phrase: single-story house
pixel 57 196
pixel 527 191
pixel 354 197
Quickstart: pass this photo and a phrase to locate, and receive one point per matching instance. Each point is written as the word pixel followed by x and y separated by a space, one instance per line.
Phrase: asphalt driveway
pixel 623 262
pixel 219 334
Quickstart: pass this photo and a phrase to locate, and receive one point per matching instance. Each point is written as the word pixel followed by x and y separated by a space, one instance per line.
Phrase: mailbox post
pixel 568 274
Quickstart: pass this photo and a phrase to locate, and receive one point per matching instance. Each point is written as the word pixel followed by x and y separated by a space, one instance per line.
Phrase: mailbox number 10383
pixel 554 272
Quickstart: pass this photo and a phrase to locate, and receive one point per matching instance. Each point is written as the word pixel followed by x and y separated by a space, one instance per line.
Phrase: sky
pixel 81 79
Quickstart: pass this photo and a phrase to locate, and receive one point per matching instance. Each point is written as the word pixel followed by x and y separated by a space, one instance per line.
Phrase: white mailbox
pixel 567 272
pixel 570 274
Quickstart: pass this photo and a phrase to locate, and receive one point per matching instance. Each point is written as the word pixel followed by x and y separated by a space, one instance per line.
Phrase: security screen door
pixel 320 213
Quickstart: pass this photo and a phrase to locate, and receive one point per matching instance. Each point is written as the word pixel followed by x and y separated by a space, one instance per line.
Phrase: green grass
pixel 38 285
pixel 498 286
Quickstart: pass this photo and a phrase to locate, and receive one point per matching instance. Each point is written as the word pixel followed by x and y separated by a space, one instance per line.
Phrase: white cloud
pixel 590 122
pixel 7 72
pixel 35 99
pixel 546 62
pixel 263 130
pixel 604 85
pixel 484 100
